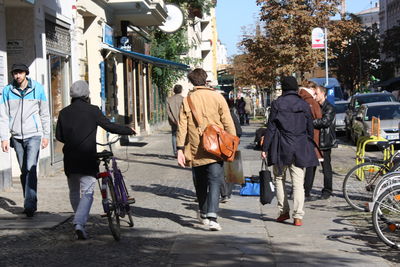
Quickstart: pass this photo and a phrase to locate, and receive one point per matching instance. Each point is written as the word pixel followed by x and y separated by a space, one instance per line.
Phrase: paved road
pixel 166 232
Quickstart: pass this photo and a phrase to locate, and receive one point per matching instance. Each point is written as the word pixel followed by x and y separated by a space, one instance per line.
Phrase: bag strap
pixel 195 116
pixel 264 165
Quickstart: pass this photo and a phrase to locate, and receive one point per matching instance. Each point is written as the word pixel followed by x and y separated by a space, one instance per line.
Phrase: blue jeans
pixel 27 151
pixel 208 180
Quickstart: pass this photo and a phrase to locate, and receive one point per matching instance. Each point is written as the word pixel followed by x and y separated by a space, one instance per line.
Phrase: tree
pixel 285 45
pixel 359 60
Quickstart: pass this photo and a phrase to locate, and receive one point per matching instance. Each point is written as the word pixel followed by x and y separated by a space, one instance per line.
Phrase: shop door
pixel 59 81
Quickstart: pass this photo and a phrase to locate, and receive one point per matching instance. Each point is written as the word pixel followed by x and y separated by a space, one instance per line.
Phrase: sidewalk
pixel 166 231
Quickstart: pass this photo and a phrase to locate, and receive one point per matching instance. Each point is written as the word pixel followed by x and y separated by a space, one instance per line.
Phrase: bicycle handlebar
pixel 109 143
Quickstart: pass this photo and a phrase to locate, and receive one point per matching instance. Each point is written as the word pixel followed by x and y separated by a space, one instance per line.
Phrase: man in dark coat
pixel 77 128
pixel 288 146
pixel 327 139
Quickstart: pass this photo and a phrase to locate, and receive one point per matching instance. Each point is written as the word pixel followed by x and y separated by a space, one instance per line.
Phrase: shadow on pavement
pixel 166 191
pixel 175 165
pixel 160 156
pixel 9 205
pixel 156 247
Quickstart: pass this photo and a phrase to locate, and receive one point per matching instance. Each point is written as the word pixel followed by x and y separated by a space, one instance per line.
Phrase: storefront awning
pixel 146 58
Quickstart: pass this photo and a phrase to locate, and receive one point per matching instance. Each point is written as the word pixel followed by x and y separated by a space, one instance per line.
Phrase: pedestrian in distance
pixel 307 93
pixel 241 109
pixel 327 139
pixel 248 109
pixel 208 168
pixel 288 146
pixel 24 115
pixel 174 104
pixel 77 129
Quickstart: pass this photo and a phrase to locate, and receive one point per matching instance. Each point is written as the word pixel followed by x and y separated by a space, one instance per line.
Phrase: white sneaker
pixel 214 226
pixel 80 232
pixel 202 220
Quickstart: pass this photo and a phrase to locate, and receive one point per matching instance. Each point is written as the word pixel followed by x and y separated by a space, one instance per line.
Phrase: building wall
pixel 389 11
pixel 369 17
pixel 5 158
pixel 27 44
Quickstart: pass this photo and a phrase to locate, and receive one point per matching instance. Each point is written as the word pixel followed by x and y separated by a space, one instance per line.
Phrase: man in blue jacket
pixel 24 115
pixel 288 146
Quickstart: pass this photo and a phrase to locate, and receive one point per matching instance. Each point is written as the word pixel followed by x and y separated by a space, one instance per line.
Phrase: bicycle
pixel 360 181
pixel 115 197
pixel 386 216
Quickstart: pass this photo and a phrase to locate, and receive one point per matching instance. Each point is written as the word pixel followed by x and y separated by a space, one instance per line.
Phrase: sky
pixel 232 15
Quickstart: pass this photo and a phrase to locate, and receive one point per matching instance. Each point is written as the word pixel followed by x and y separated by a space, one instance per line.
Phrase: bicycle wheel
pixel 358 185
pixel 386 216
pixel 113 213
pixel 388 179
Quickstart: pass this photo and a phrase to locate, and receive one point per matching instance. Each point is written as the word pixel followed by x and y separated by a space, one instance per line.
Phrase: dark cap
pixel 289 83
pixel 20 66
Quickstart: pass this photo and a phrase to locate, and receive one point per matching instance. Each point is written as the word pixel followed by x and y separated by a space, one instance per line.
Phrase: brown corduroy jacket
pixel 212 108
pixel 316 113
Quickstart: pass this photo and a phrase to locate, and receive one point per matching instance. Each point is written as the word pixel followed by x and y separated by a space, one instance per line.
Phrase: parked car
pixel 357 100
pixel 389 115
pixel 340 108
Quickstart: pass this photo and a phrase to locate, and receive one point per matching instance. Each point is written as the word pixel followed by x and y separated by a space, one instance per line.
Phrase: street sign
pixel 317 38
pixel 108 35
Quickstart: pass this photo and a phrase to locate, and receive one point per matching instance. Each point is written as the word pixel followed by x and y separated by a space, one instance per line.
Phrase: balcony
pixel 139 12
pixel 206 45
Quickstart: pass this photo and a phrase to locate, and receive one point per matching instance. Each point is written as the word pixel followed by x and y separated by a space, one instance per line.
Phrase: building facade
pixel 202 36
pixel 104 42
pixel 369 16
pixel 389 11
pixel 42 41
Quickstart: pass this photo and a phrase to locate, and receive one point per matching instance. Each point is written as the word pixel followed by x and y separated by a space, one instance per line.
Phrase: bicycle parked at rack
pixel 360 182
pixel 386 215
pixel 115 197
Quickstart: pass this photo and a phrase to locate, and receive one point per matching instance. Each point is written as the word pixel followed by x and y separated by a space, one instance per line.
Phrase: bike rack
pixel 362 142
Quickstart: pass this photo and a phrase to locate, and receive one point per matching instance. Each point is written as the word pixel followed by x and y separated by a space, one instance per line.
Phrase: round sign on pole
pixel 317 38
pixel 174 20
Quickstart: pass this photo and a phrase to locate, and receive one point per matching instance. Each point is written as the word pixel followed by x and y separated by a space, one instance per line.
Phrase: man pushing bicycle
pixel 77 128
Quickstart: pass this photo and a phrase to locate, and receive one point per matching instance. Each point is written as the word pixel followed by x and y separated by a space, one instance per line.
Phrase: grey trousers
pixel 81 188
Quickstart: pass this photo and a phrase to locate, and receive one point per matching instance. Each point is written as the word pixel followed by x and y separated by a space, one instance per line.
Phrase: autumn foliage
pixel 283 45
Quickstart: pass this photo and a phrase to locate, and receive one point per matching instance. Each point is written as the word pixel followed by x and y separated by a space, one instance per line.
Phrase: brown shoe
pixel 297 222
pixel 283 217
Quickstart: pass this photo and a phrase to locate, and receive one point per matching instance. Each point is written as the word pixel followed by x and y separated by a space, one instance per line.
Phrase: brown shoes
pixel 297 222
pixel 283 217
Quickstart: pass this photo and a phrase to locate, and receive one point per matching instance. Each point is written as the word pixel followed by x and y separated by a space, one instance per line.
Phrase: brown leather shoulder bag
pixel 215 140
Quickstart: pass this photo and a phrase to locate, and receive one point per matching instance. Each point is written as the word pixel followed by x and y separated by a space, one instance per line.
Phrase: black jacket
pixel 235 119
pixel 288 138
pixel 327 137
pixel 77 128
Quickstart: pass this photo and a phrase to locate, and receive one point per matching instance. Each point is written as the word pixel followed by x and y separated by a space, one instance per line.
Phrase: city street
pixel 167 233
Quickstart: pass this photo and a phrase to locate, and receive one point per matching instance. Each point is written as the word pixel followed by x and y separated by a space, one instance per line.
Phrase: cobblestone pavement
pixel 165 222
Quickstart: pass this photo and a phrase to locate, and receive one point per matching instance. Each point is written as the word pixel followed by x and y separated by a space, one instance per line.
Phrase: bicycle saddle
pixel 382 145
pixel 104 154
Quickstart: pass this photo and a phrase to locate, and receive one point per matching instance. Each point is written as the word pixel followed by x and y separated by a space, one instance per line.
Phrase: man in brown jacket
pixel 208 169
pixel 307 93
pixel 174 104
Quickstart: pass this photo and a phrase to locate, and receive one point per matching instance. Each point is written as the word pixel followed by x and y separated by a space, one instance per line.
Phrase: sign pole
pixel 326 57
